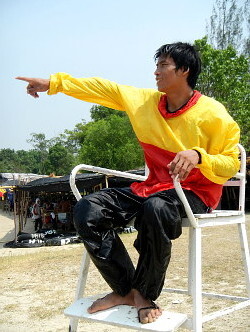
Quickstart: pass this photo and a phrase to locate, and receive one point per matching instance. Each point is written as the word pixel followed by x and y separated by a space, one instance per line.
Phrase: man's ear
pixel 185 72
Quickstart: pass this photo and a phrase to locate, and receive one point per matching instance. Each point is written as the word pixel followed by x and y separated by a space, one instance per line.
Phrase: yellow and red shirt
pixel 202 124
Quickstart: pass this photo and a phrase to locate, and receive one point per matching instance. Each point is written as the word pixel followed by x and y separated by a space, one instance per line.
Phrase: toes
pixel 144 320
pixel 158 312
pixel 94 305
pixel 152 314
pixel 90 309
pixel 150 317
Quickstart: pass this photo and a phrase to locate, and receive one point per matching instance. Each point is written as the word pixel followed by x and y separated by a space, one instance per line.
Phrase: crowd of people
pixel 48 214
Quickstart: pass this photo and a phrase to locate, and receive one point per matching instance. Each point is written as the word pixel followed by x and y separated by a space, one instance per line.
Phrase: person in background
pixel 36 215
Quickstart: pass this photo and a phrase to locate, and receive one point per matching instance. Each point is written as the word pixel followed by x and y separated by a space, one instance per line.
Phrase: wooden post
pixel 15 210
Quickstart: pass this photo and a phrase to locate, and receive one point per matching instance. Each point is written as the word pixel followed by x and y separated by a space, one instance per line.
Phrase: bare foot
pixel 133 298
pixel 148 312
pixel 111 300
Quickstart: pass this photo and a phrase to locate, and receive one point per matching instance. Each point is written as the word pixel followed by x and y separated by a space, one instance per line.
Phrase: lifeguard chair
pixel 125 316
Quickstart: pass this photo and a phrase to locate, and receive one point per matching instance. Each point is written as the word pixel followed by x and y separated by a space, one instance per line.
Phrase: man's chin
pixel 161 89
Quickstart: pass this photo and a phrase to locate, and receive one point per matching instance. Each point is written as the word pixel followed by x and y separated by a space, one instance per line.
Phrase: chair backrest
pixel 241 175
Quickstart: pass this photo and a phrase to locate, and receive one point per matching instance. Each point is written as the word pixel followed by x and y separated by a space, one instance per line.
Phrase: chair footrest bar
pixel 225 311
pixel 212 295
pixel 124 316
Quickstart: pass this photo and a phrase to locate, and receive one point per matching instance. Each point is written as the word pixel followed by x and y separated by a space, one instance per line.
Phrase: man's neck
pixel 177 99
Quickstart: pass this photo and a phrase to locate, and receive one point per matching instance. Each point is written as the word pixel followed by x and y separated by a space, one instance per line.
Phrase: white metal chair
pixel 124 316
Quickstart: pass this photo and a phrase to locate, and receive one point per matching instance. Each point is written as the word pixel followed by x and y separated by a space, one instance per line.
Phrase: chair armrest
pixel 106 171
pixel 184 201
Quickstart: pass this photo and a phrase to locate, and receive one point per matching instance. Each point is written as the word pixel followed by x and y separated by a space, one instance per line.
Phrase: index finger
pixel 26 79
pixel 173 163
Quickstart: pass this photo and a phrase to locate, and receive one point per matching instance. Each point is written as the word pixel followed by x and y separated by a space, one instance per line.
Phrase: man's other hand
pixel 183 163
pixel 35 85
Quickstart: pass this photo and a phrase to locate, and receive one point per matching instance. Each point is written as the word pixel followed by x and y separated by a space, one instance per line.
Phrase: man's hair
pixel 185 57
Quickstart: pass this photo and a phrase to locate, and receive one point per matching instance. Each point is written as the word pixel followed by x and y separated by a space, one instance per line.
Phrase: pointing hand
pixel 35 85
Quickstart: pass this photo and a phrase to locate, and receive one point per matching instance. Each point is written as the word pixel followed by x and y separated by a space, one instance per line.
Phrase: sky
pixel 112 39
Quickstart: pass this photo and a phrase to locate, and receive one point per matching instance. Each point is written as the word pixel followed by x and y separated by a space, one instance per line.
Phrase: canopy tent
pixel 59 186
pixel 18 178
pixel 83 181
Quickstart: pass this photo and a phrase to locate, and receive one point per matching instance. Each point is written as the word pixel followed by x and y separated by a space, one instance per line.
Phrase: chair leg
pixel 190 261
pixel 80 287
pixel 73 324
pixel 245 254
pixel 195 278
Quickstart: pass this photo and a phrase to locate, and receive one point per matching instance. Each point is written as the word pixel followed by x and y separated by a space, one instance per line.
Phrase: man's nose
pixel 156 72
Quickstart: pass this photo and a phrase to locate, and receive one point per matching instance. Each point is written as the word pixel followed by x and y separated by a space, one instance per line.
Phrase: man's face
pixel 166 75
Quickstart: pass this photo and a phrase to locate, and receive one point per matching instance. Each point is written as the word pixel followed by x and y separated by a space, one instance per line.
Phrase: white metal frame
pixel 195 222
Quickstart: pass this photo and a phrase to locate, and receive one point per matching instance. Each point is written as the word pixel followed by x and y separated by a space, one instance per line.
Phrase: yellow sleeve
pixel 224 165
pixel 94 89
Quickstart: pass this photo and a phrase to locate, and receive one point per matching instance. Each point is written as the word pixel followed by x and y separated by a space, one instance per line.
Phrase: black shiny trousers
pixel 157 220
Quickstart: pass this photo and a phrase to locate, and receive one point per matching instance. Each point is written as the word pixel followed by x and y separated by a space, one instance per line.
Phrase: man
pixel 36 215
pixel 181 133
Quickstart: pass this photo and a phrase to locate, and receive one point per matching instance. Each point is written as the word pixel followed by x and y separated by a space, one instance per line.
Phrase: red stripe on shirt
pixel 159 179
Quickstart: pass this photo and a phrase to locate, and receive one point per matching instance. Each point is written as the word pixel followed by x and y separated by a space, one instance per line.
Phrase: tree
pixel 19 161
pixel 41 145
pixel 7 160
pixel 228 25
pixel 111 143
pixel 26 161
pixel 59 160
pixel 39 142
pixel 225 24
pixel 99 112
pixel 108 140
pixel 65 140
pixel 225 77
pixel 246 41
pixel 76 136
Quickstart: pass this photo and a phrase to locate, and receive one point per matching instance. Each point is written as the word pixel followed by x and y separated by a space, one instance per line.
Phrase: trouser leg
pixel 95 218
pixel 38 223
pixel 159 222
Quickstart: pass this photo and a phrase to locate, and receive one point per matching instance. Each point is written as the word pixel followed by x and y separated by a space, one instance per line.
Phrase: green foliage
pixel 99 112
pixel 111 143
pixel 107 141
pixel 41 146
pixel 47 156
pixel 76 136
pixel 7 160
pixel 59 160
pixel 20 161
pixel 225 77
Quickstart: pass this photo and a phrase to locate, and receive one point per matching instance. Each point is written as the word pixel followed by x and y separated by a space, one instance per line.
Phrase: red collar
pixel 163 102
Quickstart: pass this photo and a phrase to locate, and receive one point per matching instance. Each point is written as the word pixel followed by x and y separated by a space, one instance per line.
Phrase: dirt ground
pixel 38 284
